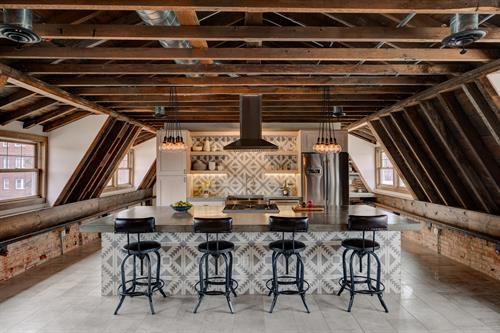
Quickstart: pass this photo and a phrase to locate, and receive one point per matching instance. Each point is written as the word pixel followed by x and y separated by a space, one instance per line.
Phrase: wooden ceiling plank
pixel 186 91
pixel 429 93
pixel 62 111
pixel 311 6
pixel 422 157
pixel 188 19
pixel 411 160
pixel 453 150
pixel 27 82
pixel 274 54
pixel 17 97
pixel 10 116
pixel 63 121
pixel 190 30
pixel 146 81
pixel 474 144
pixel 431 147
pixel 487 111
pixel 261 69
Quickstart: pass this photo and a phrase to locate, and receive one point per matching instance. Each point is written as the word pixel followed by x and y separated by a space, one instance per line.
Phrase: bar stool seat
pixel 216 246
pixel 142 247
pixel 357 244
pixel 287 245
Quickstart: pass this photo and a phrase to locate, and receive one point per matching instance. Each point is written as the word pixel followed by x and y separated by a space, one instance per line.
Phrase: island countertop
pixel 167 220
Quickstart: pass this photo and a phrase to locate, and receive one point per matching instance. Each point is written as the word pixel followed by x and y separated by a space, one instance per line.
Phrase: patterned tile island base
pixel 252 263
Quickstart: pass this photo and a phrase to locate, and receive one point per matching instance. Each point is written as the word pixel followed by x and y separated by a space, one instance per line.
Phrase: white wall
pixel 144 155
pixel 67 146
pixel 363 154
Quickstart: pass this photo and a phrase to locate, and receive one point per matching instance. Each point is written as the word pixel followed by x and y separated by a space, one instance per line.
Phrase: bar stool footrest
pixel 360 279
pixel 288 280
pixel 217 281
pixel 156 285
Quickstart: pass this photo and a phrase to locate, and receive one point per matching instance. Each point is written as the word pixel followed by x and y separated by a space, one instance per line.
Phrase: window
pixel 124 175
pixel 22 169
pixel 19 184
pixel 387 177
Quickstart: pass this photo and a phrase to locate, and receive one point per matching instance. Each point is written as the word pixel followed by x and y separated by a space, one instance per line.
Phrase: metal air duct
pixel 464 31
pixel 17 26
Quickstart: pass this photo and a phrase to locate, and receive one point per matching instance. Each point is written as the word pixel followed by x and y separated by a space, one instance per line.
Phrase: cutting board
pixel 300 209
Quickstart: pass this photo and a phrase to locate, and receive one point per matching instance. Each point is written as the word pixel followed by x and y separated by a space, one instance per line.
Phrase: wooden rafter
pixel 311 6
pixel 271 54
pixel 37 86
pixel 149 179
pixel 145 81
pixel 65 120
pixel 253 34
pixel 45 117
pixel 101 159
pixel 9 116
pixel 281 69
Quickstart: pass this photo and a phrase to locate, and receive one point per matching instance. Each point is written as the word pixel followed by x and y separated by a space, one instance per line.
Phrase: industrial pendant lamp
pixel 173 140
pixel 327 142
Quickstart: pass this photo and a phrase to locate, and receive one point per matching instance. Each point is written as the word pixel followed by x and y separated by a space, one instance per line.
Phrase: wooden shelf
pixel 281 171
pixel 282 152
pixel 208 153
pixel 207 172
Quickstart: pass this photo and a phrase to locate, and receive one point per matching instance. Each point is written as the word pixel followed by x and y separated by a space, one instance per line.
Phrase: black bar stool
pixel 288 248
pixel 363 247
pixel 215 248
pixel 142 285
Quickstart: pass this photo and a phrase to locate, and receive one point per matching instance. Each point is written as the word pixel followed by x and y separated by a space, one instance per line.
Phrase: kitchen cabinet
pixel 170 189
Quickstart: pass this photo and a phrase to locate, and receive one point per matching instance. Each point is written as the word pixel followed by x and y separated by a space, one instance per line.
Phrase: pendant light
pixel 173 140
pixel 327 142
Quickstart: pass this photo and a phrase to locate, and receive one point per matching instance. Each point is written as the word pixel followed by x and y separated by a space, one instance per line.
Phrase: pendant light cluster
pixel 173 140
pixel 327 142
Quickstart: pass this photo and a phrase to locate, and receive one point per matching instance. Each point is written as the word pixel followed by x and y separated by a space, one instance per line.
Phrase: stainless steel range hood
pixel 251 126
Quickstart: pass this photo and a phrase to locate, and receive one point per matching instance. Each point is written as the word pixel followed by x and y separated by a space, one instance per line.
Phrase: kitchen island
pixel 252 266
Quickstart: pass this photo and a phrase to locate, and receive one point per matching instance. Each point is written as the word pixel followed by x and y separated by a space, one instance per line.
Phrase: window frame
pixel 398 180
pixel 39 167
pixel 114 178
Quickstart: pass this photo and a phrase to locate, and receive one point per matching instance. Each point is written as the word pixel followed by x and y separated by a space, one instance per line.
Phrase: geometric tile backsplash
pixel 245 172
pixel 252 260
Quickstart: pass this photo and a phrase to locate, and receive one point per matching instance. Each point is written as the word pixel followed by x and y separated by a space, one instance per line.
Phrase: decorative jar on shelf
pixel 206 145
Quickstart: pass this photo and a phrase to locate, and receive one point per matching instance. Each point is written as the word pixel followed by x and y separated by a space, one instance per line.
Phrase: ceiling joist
pixel 267 54
pixel 311 6
pixel 251 33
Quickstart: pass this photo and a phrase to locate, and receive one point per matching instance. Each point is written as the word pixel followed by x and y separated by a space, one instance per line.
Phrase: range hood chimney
pixel 251 126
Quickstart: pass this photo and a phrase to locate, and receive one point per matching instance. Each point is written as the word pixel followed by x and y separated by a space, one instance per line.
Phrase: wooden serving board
pixel 299 209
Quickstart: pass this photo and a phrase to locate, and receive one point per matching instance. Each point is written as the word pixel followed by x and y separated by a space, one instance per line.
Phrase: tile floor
pixel 438 295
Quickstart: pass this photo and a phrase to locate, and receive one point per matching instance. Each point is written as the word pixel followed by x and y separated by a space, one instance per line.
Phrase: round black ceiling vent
pixel 18 34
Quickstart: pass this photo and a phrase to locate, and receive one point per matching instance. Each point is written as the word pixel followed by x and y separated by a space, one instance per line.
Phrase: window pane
pixel 123 176
pixel 18 185
pixel 17 155
pixel 124 162
pixel 387 177
pixel 386 163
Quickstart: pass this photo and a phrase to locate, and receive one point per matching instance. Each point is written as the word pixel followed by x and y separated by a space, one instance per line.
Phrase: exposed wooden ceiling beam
pixel 145 81
pixel 188 19
pixel 63 121
pixel 185 91
pixel 311 6
pixel 17 97
pixel 282 54
pixel 250 34
pixel 265 104
pixel 9 116
pixel 62 111
pixel 283 98
pixel 450 84
pixel 27 82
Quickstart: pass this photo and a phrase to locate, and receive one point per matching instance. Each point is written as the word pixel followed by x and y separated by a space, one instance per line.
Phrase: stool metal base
pixel 349 281
pixel 205 280
pixel 280 280
pixel 152 284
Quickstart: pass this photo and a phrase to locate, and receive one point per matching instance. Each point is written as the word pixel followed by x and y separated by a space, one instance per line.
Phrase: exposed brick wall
pixel 471 251
pixel 33 251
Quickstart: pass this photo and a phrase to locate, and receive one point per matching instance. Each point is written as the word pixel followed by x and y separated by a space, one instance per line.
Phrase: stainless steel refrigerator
pixel 325 178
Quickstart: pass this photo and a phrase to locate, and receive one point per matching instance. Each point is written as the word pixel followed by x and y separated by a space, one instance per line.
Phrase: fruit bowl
pixel 181 206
